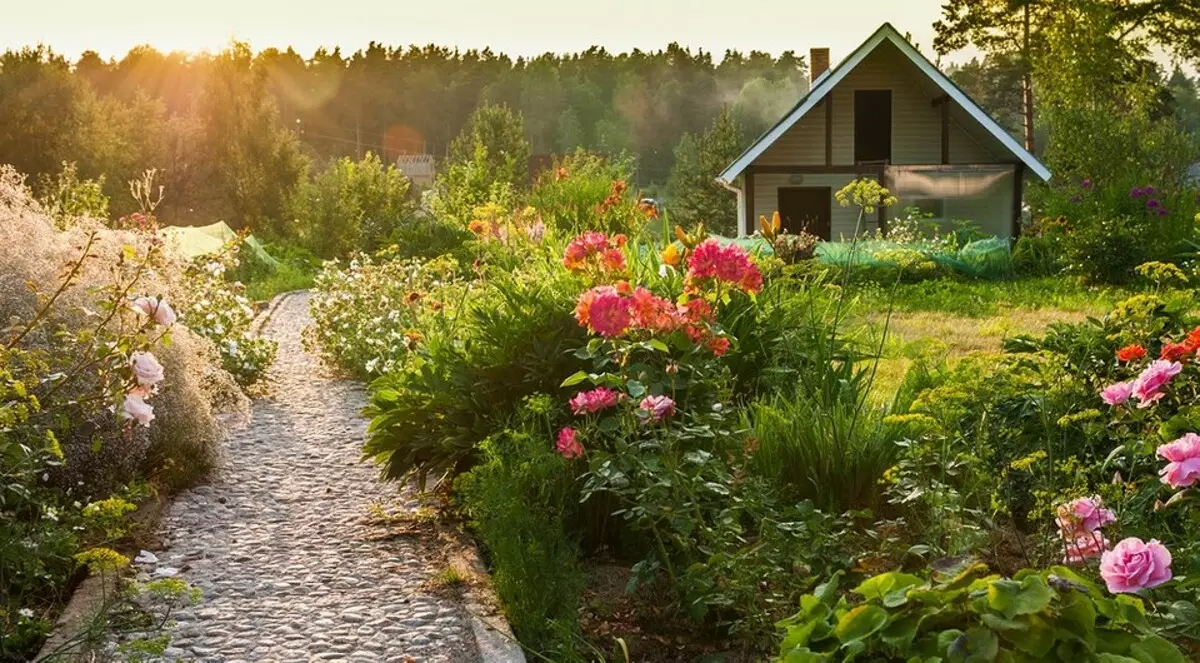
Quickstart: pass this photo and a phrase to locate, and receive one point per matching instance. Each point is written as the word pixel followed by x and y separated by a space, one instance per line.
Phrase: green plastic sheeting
pixel 195 241
pixel 989 258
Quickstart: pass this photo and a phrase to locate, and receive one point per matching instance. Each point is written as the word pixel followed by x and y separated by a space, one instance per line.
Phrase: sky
pixel 514 27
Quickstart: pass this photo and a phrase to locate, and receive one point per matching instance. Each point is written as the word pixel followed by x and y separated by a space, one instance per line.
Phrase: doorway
pixel 873 126
pixel 806 208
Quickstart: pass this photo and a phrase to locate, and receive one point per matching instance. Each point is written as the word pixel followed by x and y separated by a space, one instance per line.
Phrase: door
pixel 873 126
pixel 806 208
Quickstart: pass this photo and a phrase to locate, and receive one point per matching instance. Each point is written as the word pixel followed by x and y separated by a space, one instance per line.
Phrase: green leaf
pixel 658 345
pixel 901 633
pixel 826 592
pixel 860 623
pixel 1012 598
pixel 636 389
pixel 1155 649
pixel 574 379
pixel 884 584
pixel 977 644
pixel 1132 611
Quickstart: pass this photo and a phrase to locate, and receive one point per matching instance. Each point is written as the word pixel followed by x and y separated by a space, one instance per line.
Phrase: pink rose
pixel 146 369
pixel 659 407
pixel 1083 516
pixel 1134 565
pixel 1085 547
pixel 158 309
pixel 588 402
pixel 1183 469
pixel 1115 394
pixel 1147 388
pixel 568 446
pixel 136 408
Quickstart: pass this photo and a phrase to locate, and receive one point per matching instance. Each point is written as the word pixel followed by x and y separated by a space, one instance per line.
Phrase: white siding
pixel 916 123
pixel 842 220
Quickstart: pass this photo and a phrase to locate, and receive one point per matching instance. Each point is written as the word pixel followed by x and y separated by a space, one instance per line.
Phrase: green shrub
pixel 519 500
pixel 585 192
pixel 965 615
pixel 352 206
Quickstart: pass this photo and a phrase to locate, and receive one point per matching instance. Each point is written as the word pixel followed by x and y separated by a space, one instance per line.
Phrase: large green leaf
pixel 1154 649
pixel 860 623
pixel 888 587
pixel 1012 598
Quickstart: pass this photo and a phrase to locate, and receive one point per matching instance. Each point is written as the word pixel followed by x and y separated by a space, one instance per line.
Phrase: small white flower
pixel 717 407
pixel 26 613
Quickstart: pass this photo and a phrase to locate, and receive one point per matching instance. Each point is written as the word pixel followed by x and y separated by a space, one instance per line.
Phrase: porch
pixel 989 195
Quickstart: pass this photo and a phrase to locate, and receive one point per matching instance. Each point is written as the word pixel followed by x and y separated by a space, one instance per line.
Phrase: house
pixel 418 168
pixel 884 112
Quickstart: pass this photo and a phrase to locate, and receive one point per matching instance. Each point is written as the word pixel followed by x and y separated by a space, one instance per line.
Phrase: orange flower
pixel 623 288
pixel 1131 353
pixel 670 255
pixel 1176 351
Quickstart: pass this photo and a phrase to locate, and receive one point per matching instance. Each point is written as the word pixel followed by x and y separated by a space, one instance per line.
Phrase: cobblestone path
pixel 279 543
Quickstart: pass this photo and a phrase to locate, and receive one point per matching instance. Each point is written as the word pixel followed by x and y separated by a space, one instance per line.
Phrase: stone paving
pixel 280 544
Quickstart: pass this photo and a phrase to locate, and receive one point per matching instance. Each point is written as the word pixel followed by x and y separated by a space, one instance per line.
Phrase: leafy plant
pixel 964 615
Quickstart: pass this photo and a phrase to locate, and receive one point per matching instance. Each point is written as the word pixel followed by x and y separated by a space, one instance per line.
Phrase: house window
pixel 934 208
pixel 873 126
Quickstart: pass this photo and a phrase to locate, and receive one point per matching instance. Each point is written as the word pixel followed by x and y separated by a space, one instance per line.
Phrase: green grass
pixel 285 279
pixel 980 299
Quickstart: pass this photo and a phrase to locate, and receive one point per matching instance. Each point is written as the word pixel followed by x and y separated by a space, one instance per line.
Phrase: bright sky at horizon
pixel 516 27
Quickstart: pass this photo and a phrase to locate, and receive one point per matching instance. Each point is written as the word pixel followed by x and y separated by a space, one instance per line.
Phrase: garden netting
pixel 989 258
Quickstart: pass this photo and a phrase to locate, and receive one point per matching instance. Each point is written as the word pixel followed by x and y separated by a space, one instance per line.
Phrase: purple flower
pixel 1076 199
pixel 1153 203
pixel 1086 183
pixel 1115 394
pixel 1162 211
pixel 1136 192
pixel 1149 190
pixel 658 407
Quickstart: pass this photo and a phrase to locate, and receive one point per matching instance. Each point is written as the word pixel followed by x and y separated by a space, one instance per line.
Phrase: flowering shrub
pixel 219 311
pixel 367 313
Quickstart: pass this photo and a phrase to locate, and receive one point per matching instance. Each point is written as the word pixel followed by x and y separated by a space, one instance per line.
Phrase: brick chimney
pixel 818 63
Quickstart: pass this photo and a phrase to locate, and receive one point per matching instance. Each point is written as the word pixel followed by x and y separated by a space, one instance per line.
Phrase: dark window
pixel 872 126
pixel 806 208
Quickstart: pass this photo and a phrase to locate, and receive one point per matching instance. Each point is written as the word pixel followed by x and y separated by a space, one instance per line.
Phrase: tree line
pixel 231 132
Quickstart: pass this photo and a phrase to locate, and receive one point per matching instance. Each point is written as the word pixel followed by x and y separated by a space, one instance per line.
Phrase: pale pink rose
pixel 1183 468
pixel 1133 565
pixel 1115 394
pixel 1083 516
pixel 659 407
pixel 1083 548
pixel 1147 388
pixel 136 408
pixel 158 309
pixel 146 369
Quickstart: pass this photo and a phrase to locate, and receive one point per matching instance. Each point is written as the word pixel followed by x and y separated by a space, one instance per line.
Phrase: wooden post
pixel 829 129
pixel 750 218
pixel 1018 193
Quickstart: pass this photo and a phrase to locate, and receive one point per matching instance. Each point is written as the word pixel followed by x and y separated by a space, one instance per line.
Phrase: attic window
pixel 872 126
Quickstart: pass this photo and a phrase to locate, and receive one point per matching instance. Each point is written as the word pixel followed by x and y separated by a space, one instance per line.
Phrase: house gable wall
pixel 916 122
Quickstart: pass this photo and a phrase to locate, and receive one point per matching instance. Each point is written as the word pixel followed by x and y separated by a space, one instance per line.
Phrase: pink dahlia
pixel 583 306
pixel 1147 388
pixel 1133 565
pixel 568 445
pixel 1183 470
pixel 659 407
pixel 588 402
pixel 609 314
pixel 725 263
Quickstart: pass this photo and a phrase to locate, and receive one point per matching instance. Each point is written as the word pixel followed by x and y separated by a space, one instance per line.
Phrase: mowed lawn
pixel 944 321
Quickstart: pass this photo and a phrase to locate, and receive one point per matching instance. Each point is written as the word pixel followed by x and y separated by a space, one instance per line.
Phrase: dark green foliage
pixel 519 500
pixel 695 196
pixel 467 380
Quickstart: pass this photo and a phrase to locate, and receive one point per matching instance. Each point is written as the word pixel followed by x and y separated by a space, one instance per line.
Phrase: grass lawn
pixel 943 321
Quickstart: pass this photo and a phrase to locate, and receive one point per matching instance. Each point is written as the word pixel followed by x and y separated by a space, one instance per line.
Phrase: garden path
pixel 278 541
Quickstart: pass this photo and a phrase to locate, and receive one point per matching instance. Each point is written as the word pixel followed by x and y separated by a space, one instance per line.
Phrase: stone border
pixel 493 637
pixel 264 316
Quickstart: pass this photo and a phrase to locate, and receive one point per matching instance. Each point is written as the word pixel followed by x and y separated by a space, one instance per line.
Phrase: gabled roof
pixel 829 80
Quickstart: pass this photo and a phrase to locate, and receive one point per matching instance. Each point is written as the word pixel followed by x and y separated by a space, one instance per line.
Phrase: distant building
pixel 884 112
pixel 420 168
